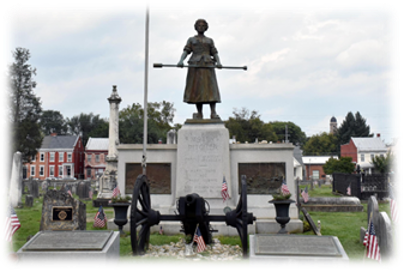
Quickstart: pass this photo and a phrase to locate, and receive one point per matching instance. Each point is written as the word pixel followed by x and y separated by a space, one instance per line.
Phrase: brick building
pixel 96 154
pixel 314 167
pixel 59 157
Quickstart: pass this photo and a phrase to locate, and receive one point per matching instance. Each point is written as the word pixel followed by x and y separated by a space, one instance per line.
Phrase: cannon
pixel 192 211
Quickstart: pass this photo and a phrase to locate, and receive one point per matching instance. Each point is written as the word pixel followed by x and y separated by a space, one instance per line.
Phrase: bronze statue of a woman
pixel 201 84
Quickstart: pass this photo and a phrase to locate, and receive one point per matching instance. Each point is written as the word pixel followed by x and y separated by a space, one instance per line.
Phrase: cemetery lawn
pixel 345 225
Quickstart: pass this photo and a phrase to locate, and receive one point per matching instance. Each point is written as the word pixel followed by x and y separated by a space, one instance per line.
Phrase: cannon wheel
pixel 139 218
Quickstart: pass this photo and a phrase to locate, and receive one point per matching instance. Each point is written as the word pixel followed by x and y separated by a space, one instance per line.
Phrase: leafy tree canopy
pixel 53 122
pixel 296 135
pixel 341 165
pixel 25 107
pixel 247 126
pixel 160 116
pixel 383 164
pixel 88 125
pixel 321 144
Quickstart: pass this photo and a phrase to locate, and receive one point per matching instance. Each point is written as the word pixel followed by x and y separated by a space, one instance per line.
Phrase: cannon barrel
pixel 191 198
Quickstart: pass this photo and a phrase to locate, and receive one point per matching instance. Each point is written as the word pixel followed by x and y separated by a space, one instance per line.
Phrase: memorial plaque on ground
pixel 62 212
pixel 158 174
pixel 70 246
pixel 64 241
pixel 262 178
pixel 297 245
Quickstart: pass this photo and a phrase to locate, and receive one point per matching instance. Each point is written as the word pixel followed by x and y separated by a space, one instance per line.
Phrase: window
pixel 52 156
pixel 32 171
pixel 52 171
pixel 61 155
pixel 33 159
pixel 42 157
pixel 69 157
pixel 41 171
pixel 97 158
pixel 362 157
pixel 381 155
pixel 89 157
pixel 88 172
pixel 316 174
pixel 372 156
pixel 60 171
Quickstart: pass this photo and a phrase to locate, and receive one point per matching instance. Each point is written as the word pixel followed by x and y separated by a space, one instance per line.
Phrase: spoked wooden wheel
pixel 142 216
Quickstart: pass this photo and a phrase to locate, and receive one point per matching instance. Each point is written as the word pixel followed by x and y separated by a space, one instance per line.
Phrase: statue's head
pixel 201 21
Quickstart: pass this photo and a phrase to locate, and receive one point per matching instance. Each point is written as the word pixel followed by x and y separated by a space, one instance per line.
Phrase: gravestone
pixel 296 248
pixel 311 222
pixel 83 189
pixel 16 183
pixel 62 212
pixel 70 246
pixel 33 189
pixel 383 228
pixel 29 201
pixel 45 185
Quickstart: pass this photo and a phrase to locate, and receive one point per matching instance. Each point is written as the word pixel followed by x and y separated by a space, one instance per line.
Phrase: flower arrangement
pixel 120 199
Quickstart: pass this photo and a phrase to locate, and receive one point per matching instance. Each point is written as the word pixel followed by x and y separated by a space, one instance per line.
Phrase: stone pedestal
pixel 203 159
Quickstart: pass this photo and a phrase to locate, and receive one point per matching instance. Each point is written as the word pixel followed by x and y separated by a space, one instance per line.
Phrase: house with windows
pixel 58 157
pixel 314 167
pixel 363 150
pixel 95 157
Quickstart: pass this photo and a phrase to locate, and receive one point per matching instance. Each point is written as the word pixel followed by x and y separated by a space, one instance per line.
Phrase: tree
pixel 383 164
pixel 247 126
pixel 296 135
pixel 159 117
pixel 322 144
pixel 88 125
pixel 25 107
pixel 353 126
pixel 341 165
pixel 53 122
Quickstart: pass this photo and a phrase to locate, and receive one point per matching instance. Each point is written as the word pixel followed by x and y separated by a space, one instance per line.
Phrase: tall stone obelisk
pixel 109 178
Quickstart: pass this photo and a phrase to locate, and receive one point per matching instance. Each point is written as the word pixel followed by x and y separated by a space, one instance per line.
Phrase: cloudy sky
pixel 306 63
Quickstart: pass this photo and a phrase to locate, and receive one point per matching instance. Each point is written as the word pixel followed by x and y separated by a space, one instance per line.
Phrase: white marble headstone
pixel 16 185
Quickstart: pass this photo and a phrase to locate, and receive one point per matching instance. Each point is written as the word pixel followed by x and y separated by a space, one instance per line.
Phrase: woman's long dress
pixel 201 85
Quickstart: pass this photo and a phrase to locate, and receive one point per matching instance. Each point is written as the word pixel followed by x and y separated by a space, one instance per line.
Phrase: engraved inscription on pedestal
pixel 262 178
pixel 158 174
pixel 203 160
pixel 296 245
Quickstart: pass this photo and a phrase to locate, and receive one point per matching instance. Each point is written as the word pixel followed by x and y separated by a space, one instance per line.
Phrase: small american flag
pixel 284 188
pixel 395 213
pixel 305 194
pixel 199 240
pixel 116 192
pixel 348 190
pixel 90 194
pixel 67 189
pixel 12 224
pixel 225 193
pixel 161 230
pixel 372 245
pixel 100 218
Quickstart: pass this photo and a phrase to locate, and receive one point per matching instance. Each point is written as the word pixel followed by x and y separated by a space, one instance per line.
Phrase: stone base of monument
pixel 71 245
pixel 296 248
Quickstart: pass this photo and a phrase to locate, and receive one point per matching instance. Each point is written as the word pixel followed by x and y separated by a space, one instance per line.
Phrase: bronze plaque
pixel 262 178
pixel 158 174
pixel 62 213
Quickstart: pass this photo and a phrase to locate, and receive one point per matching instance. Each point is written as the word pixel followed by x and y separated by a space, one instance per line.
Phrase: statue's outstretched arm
pixel 183 56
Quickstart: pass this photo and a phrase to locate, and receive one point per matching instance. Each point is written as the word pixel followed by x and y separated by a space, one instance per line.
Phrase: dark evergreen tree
pixel 88 125
pixel 25 107
pixel 353 126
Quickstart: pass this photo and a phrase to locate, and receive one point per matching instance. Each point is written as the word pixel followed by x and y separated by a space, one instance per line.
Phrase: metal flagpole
pixel 146 68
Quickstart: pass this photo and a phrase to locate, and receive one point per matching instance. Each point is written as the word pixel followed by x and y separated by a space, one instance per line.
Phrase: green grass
pixel 324 191
pixel 345 225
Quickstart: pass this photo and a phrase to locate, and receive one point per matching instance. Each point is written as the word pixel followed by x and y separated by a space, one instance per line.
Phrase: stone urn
pixel 121 211
pixel 282 213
